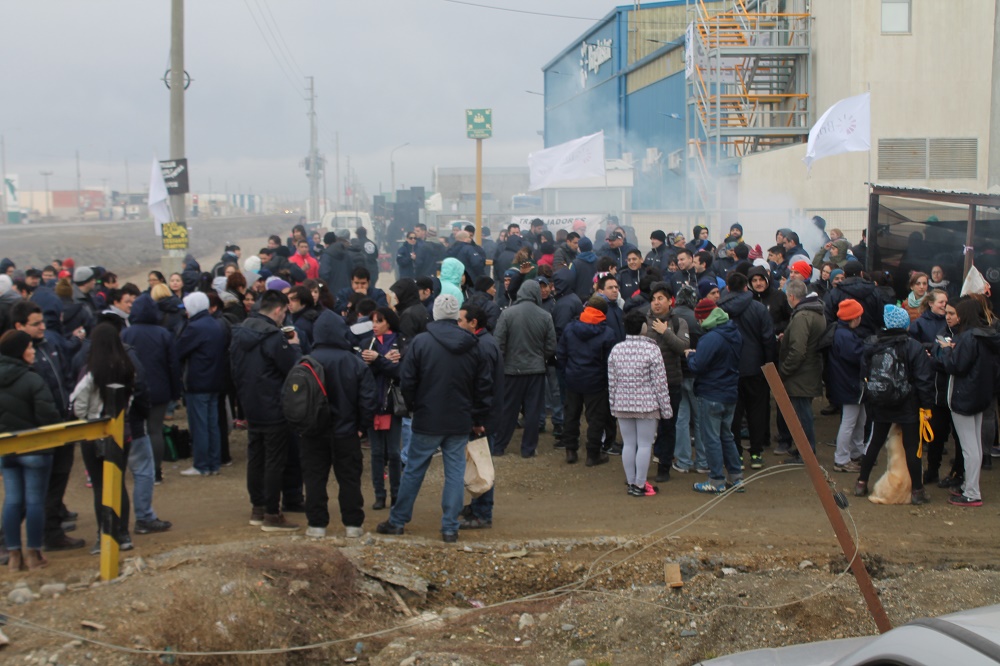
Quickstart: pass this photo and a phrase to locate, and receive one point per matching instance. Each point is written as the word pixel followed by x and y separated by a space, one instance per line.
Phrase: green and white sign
pixel 479 123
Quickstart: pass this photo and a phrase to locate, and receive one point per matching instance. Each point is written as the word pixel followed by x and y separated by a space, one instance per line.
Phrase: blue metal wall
pixel 648 124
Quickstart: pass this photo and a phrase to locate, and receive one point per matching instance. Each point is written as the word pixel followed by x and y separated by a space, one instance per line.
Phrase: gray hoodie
pixel 526 334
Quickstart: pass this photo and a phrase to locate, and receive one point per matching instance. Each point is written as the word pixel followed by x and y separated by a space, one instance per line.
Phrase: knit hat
pixel 586 245
pixel 803 268
pixel 704 308
pixel 13 344
pixel 705 287
pixel 895 317
pixel 853 268
pixel 252 264
pixel 277 284
pixel 716 317
pixel 579 225
pixel 445 307
pixel 835 272
pixel 68 263
pixel 687 296
pixel 658 235
pixel 755 253
pixel 82 275
pixel 483 283
pixel 195 302
pixel 736 225
pixel 850 309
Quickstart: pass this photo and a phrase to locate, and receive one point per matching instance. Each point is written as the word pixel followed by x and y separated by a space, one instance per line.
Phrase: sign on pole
pixel 479 123
pixel 175 174
pixel 175 235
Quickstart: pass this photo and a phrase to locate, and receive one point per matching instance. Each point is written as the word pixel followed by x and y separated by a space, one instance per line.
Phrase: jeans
pixel 637 447
pixel 385 450
pixel 267 453
pixel 405 434
pixel 154 424
pixel 851 436
pixel 25 481
pixel 203 419
pixel 720 445
pixel 142 466
pixel 422 448
pixel 520 391
pixel 552 403
pixel 688 415
pixel 804 411
pixel 344 455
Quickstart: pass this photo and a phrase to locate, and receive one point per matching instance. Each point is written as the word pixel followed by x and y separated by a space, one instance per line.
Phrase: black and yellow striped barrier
pixel 110 431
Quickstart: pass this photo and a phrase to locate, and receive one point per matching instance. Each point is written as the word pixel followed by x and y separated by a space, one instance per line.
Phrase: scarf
pixel 913 302
pixel 942 285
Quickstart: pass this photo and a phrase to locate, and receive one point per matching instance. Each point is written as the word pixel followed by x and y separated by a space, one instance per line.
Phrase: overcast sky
pixel 86 76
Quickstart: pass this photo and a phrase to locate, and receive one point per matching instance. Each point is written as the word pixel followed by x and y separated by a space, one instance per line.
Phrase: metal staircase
pixel 747 77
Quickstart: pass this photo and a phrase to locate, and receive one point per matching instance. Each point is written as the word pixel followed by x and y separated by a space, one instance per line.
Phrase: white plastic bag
pixel 974 283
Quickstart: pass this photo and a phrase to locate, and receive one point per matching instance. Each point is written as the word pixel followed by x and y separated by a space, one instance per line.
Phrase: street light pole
pixel 392 168
pixel 48 208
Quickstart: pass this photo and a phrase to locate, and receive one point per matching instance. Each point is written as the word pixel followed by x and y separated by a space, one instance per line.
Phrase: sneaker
pixel 378 504
pixel 919 497
pixel 125 543
pixel 782 450
pixel 965 501
pixel 793 460
pixel 388 528
pixel 150 526
pixel 649 489
pixel 276 522
pixel 740 487
pixel 702 470
pixel 756 461
pixel 861 488
pixel 680 470
pixel 951 481
pixel 316 532
pixel 353 532
pixel 662 473
pixel 850 467
pixel 706 487
pixel 635 491
pixel 192 471
pixel 614 450
pixel 257 516
pixel 67 526
pixel 473 523
pixel 227 463
pixel 557 432
pixel 449 537
pixel 995 452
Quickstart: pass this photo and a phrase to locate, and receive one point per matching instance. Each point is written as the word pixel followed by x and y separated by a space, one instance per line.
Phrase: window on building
pixel 896 16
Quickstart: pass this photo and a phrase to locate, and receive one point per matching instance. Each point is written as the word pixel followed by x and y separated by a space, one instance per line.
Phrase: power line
pixel 279 39
pixel 288 77
pixel 521 11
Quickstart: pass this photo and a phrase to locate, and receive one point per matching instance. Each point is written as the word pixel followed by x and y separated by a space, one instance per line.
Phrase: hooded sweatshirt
pixel 583 351
pixel 413 316
pixel 157 349
pixel 568 305
pixel 350 385
pixel 772 299
pixel 716 362
pixel 526 334
pixel 451 278
pixel 260 358
pixel 756 327
pixel 584 266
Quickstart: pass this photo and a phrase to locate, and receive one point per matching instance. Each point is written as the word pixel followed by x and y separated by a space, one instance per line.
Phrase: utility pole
pixel 313 155
pixel 337 137
pixel 48 208
pixel 993 168
pixel 177 201
pixel 79 202
pixel 4 217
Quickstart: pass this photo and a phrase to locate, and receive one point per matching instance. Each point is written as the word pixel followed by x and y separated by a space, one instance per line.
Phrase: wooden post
pixel 826 499
pixel 479 192
pixel 114 469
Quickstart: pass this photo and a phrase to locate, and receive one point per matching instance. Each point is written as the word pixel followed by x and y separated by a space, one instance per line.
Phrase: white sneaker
pixel 191 471
pixel 353 532
pixel 316 532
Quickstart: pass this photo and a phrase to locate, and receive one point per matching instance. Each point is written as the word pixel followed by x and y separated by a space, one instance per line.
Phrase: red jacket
pixel 308 264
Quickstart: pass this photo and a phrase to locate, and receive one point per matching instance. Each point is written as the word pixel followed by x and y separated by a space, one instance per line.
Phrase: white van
pixel 350 220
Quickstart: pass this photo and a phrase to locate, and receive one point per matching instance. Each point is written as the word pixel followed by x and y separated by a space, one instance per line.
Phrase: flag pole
pixel 869 89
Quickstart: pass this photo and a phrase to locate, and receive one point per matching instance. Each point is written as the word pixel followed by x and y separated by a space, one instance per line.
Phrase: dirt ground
pixel 761 569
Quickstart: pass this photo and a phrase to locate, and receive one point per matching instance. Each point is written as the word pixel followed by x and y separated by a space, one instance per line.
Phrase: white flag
pixel 159 201
pixel 845 127
pixel 574 160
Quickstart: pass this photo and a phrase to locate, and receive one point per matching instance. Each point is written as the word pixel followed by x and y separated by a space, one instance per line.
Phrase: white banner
pixel 845 127
pixel 574 160
pixel 554 223
pixel 159 206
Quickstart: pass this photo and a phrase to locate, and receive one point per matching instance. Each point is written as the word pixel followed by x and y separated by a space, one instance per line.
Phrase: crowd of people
pixel 664 347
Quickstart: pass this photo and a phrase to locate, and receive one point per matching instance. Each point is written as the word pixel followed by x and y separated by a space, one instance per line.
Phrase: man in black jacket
pixel 446 383
pixel 471 255
pixel 260 358
pixel 350 390
pixel 759 347
pixel 334 265
pixel 413 315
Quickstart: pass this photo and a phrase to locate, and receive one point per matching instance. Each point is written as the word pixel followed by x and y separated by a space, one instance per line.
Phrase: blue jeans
pixel 25 482
pixel 142 466
pixel 804 410
pixel 422 448
pixel 405 434
pixel 553 399
pixel 720 445
pixel 687 415
pixel 203 419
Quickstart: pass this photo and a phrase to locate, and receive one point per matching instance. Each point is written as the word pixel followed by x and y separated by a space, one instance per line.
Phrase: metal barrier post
pixel 114 470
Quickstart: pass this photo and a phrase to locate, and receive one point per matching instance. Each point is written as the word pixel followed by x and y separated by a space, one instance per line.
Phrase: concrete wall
pixel 934 82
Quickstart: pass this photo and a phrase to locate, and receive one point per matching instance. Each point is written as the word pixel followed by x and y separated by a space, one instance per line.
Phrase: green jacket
pixel 799 361
pixel 25 399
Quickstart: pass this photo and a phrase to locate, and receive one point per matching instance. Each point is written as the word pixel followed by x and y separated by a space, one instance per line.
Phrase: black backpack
pixel 888 381
pixel 303 397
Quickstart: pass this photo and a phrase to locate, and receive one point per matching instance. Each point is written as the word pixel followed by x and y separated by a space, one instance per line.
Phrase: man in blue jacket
pixel 350 390
pixel 201 347
pixel 260 357
pixel 716 367
pixel 446 384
